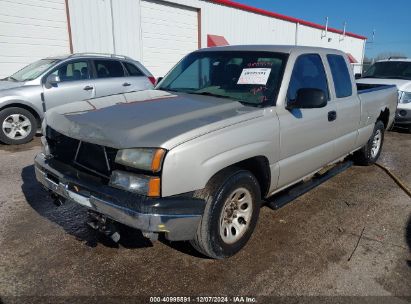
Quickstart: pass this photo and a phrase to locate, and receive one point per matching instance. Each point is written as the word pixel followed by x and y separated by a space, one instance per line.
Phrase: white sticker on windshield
pixel 254 76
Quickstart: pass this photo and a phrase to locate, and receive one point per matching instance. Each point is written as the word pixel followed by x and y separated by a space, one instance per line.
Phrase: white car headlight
pixel 137 183
pixel 404 97
pixel 143 159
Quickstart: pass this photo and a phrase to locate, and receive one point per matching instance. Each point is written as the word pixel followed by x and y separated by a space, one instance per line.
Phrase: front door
pixel 75 84
pixel 307 135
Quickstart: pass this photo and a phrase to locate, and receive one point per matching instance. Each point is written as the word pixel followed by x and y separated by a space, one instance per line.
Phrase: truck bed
pixel 375 99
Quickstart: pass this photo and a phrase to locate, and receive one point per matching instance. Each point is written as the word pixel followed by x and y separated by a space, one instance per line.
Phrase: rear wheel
pixel 370 153
pixel 233 205
pixel 17 126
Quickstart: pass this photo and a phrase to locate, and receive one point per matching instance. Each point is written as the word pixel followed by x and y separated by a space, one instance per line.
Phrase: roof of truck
pixel 271 48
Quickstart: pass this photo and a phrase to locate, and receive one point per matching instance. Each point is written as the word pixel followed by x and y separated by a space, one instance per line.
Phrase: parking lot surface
pixel 301 249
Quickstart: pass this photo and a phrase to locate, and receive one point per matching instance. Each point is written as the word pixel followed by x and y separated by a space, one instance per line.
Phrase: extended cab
pixel 226 129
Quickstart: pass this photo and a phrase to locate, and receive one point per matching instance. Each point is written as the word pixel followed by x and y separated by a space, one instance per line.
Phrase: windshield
pixel 390 69
pixel 33 70
pixel 249 77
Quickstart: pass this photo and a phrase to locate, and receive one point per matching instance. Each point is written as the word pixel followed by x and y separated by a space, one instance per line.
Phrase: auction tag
pixel 254 76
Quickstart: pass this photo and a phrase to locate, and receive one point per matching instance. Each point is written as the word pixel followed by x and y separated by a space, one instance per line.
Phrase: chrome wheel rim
pixel 376 144
pixel 16 126
pixel 236 215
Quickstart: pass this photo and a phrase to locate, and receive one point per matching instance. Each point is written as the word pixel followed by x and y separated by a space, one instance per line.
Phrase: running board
pixel 286 196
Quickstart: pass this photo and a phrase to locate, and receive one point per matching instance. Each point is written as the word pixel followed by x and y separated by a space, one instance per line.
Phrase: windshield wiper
pixel 225 96
pixel 211 94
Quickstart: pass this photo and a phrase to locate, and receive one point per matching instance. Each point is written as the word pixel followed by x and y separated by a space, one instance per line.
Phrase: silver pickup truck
pixel 222 133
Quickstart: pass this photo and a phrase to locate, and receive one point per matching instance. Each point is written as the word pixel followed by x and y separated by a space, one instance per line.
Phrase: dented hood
pixel 150 118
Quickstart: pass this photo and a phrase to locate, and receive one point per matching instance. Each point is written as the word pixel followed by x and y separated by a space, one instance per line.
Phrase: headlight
pixel 141 184
pixel 404 97
pixel 143 159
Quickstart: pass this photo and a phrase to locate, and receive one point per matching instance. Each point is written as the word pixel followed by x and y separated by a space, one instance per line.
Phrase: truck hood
pixel 149 118
pixel 402 85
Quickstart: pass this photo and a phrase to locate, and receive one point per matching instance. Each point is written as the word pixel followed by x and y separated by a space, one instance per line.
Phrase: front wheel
pixel 231 213
pixel 17 126
pixel 370 153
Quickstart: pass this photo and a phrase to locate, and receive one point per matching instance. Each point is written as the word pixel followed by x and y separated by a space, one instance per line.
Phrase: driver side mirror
pixel 309 99
pixel 52 80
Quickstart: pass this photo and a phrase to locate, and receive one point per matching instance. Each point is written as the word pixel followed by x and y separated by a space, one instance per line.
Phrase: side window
pixel 341 76
pixel 73 71
pixel 109 68
pixel 308 73
pixel 132 69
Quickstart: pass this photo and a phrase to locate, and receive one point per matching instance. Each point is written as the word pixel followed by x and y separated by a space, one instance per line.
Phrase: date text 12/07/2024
pixel 203 299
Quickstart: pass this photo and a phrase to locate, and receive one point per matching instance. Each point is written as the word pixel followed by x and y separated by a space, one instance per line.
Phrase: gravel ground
pixel 302 249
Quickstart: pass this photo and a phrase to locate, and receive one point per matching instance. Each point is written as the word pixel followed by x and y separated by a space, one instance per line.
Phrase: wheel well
pixel 260 168
pixel 384 117
pixel 30 109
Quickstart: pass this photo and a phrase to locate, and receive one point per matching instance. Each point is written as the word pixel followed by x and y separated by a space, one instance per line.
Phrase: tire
pixel 370 153
pixel 17 126
pixel 216 237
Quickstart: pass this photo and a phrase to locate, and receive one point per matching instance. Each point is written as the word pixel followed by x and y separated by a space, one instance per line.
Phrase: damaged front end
pixel 86 181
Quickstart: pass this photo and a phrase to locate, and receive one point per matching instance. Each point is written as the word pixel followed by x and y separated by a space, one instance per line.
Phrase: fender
pixel 191 165
pixel 16 101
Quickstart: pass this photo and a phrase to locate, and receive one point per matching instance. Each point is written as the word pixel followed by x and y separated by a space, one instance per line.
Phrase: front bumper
pixel 177 216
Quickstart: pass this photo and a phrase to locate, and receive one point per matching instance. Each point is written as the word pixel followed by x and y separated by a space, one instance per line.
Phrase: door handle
pixel 126 84
pixel 88 88
pixel 332 115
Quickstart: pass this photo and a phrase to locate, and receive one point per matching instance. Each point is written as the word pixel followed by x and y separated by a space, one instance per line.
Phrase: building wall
pixel 106 26
pixel 236 25
pixel 308 36
pixel 30 30
pixel 242 27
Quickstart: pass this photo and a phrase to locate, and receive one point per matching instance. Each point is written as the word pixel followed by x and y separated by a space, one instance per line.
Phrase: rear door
pixel 348 105
pixel 75 84
pixel 307 135
pixel 110 77
pixel 135 79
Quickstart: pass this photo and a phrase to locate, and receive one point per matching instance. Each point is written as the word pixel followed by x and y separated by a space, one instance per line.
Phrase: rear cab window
pixel 109 68
pixel 308 73
pixel 341 75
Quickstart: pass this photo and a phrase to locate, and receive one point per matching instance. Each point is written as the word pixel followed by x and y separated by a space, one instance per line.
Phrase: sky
pixel 390 19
